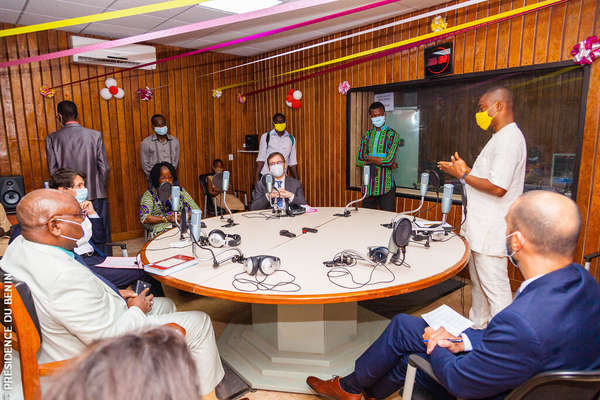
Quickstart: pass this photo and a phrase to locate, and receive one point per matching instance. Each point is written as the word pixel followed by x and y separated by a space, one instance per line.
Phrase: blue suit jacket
pixel 553 324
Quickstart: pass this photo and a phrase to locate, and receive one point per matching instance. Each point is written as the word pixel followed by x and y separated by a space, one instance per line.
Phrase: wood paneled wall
pixel 209 127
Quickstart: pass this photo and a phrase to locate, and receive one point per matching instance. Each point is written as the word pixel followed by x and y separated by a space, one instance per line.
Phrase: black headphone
pixel 267 265
pixel 218 238
pixel 378 254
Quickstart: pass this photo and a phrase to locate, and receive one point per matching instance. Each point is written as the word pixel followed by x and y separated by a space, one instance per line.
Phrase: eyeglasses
pixel 276 163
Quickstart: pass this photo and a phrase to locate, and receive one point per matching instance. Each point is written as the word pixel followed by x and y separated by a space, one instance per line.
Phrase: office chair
pixel 555 385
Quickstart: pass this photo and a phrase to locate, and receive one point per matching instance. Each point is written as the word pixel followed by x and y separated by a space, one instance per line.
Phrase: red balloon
pixel 289 98
pixel 291 92
pixel 113 90
pixel 296 103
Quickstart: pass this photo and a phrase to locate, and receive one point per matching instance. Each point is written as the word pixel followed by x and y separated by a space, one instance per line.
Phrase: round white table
pixel 318 330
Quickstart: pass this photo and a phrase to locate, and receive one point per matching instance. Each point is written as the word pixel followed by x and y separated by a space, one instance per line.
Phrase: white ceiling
pixel 29 12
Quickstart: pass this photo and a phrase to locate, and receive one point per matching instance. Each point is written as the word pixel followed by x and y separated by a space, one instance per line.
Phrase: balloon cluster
pixel 586 51
pixel 216 93
pixel 47 91
pixel 438 24
pixel 241 98
pixel 111 90
pixel 293 98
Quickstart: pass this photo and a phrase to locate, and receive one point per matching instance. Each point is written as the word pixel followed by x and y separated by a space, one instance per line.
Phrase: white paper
pixel 387 99
pixel 448 318
pixel 123 262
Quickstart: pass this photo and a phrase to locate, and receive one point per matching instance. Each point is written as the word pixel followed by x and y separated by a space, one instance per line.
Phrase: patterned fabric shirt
pixel 150 204
pixel 382 144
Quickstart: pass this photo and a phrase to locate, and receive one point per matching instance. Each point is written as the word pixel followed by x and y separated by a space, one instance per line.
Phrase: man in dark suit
pixel 80 149
pixel 286 190
pixel 551 324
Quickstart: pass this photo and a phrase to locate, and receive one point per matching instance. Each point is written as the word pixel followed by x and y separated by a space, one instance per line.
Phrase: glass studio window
pixel 436 117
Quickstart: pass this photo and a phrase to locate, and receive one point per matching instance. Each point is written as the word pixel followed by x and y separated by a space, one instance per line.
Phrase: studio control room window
pixel 436 117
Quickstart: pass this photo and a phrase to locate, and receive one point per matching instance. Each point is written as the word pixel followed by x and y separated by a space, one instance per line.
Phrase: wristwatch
pixel 462 179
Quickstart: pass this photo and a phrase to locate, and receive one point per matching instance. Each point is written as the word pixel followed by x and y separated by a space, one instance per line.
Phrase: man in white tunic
pixel 74 306
pixel 491 186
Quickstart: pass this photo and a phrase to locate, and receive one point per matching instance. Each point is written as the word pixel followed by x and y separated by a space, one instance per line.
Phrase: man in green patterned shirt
pixel 378 150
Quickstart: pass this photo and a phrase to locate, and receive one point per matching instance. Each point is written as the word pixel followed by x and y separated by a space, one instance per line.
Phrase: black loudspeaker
pixel 12 190
pixel 252 142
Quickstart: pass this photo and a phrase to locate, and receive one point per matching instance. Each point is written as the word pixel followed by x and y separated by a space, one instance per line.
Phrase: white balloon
pixel 287 103
pixel 105 94
pixel 297 94
pixel 120 94
pixel 110 82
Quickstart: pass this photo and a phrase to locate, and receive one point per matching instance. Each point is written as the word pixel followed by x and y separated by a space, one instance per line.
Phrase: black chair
pixel 588 259
pixel 555 385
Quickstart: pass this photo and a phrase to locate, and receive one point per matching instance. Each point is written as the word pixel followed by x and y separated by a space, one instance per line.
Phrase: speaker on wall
pixel 12 190
pixel 252 142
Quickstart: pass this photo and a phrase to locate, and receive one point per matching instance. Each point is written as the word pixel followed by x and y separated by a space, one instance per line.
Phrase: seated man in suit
pixel 74 305
pixel 90 247
pixel 286 190
pixel 552 323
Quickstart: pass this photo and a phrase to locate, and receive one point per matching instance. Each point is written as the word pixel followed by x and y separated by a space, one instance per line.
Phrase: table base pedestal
pixel 287 343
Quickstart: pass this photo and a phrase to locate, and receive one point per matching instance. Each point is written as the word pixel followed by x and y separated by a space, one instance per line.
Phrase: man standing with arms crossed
pixel 492 185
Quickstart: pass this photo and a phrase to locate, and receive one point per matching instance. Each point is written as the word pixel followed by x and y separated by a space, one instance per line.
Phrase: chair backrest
pixel 558 385
pixel 204 183
pixel 25 327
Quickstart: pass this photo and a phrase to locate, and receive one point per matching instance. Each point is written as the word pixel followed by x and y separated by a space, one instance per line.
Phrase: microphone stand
pixel 346 208
pixel 230 221
pixel 274 207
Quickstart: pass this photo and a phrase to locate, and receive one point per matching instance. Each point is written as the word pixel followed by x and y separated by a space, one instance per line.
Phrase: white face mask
pixel 82 225
pixel 276 170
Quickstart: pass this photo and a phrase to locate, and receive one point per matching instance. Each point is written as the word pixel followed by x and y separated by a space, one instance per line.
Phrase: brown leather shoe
pixel 331 389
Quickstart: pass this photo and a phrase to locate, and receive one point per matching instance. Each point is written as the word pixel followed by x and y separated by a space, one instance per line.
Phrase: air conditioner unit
pixel 126 56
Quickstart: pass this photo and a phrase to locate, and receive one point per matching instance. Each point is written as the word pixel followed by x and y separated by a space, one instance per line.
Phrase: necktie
pixel 279 199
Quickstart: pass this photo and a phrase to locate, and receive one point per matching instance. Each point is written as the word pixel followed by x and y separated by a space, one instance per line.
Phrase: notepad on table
pixel 171 265
pixel 445 316
pixel 119 262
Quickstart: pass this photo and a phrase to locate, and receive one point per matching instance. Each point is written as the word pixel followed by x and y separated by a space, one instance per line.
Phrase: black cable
pixel 262 285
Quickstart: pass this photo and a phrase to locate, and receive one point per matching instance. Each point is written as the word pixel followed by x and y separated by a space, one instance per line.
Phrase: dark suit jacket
pixel 260 202
pixel 80 149
pixel 553 324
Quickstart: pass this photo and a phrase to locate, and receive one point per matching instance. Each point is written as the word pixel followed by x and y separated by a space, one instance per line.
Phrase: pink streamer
pixel 218 22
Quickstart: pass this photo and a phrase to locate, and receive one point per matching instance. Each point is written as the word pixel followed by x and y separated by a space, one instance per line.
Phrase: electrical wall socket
pixel 231 157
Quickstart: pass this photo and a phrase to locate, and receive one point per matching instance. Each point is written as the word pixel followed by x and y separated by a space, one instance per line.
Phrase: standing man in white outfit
pixel 74 306
pixel 491 186
pixel 277 140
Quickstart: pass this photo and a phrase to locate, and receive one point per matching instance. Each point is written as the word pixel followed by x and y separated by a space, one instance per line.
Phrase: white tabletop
pixel 303 257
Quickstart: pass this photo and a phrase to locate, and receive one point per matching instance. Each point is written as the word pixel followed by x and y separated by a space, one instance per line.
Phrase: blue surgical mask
pixel 378 122
pixel 161 130
pixel 509 252
pixel 81 195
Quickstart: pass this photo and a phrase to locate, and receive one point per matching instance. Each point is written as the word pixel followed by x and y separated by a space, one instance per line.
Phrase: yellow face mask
pixel 280 127
pixel 483 119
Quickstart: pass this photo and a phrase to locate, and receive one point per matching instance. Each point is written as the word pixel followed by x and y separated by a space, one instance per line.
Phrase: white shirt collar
pixel 274 132
pixel 507 127
pixel 527 282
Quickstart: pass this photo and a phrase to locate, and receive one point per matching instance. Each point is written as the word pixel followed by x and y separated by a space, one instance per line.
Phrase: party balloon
pixel 297 95
pixel 113 90
pixel 289 104
pixel 105 94
pixel 296 103
pixel 110 82
pixel 120 93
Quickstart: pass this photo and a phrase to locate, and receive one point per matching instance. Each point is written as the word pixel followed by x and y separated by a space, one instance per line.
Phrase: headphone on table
pixel 378 254
pixel 267 265
pixel 218 238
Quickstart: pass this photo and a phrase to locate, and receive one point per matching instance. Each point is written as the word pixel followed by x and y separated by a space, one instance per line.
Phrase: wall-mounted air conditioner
pixel 130 55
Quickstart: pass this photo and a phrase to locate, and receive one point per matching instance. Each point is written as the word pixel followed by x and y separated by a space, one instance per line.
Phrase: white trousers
pixel 491 288
pixel 200 339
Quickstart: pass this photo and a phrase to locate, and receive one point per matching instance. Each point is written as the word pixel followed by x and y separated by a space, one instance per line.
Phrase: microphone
pixel 225 181
pixel 366 177
pixel 446 201
pixel 424 183
pixel 196 225
pixel 224 187
pixel 401 232
pixel 269 183
pixel 183 225
pixel 175 195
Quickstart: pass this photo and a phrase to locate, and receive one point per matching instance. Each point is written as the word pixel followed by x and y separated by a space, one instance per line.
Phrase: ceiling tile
pixel 245 51
pixel 60 9
pixel 111 31
pixel 122 4
pixel 32 19
pixel 198 13
pixel 12 4
pixel 145 22
pixel 9 16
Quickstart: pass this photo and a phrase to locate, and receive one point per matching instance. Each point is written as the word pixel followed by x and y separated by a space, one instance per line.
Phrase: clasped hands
pixel 456 167
pixel 439 337
pixel 284 194
pixel 143 301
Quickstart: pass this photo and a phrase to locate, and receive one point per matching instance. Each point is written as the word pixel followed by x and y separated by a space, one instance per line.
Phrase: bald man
pixel 75 306
pixel 492 185
pixel 551 325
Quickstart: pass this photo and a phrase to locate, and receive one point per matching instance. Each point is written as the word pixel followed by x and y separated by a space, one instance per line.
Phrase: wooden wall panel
pixel 208 127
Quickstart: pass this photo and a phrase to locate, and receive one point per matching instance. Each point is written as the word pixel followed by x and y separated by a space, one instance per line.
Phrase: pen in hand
pixel 450 340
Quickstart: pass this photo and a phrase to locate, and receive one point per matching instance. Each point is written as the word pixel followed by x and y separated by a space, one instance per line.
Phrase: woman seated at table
pixel 157 216
pixel 233 202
